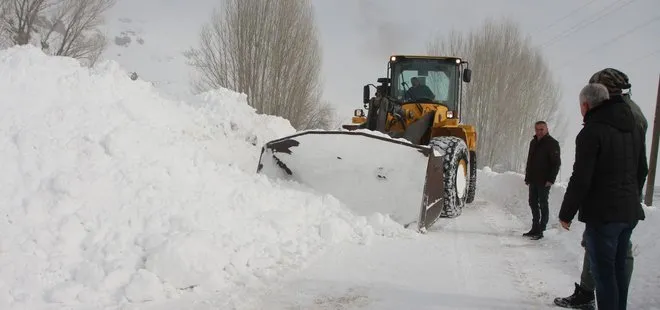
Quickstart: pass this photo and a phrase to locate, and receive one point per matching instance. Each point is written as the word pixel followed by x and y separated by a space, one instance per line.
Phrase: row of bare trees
pixel 512 88
pixel 269 50
pixel 59 27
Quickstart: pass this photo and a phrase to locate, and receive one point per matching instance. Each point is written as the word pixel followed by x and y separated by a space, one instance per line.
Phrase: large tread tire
pixel 455 152
pixel 472 188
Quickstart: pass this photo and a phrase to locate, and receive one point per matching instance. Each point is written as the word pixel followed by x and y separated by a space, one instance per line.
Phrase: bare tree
pixel 19 18
pixel 321 116
pixel 60 27
pixel 77 22
pixel 512 88
pixel 268 50
pixel 4 27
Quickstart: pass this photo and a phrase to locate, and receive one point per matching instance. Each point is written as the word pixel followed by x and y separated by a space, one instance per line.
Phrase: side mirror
pixel 467 75
pixel 384 80
pixel 365 94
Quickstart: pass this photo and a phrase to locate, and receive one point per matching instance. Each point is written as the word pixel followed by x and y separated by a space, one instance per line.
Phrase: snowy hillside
pixel 150 36
pixel 112 194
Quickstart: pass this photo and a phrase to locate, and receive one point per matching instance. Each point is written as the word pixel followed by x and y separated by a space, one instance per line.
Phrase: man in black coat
pixel 543 162
pixel 608 176
pixel 583 294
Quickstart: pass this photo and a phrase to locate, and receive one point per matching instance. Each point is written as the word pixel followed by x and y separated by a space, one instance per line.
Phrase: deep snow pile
pixel 508 190
pixel 111 193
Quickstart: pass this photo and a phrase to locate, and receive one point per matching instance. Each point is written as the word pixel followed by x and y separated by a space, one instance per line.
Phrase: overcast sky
pixel 359 35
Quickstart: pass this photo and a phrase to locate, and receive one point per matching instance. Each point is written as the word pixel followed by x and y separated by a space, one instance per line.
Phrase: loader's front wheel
pixel 472 188
pixel 456 174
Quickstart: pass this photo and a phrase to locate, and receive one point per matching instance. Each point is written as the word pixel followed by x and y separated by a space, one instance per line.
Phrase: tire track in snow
pixel 487 258
pixel 522 254
pixel 467 250
pixel 463 271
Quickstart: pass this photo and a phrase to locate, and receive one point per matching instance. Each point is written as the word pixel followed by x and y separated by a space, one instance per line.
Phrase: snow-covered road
pixel 476 261
pixel 452 267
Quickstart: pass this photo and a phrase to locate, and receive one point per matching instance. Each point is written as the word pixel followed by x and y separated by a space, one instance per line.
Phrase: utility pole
pixel 650 182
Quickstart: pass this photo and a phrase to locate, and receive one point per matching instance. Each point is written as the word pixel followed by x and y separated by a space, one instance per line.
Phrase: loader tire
pixel 472 188
pixel 455 174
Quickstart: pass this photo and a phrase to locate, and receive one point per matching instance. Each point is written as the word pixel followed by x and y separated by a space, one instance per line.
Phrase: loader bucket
pixel 365 170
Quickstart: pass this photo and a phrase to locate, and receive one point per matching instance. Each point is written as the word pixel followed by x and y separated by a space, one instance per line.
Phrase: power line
pixel 581 25
pixel 656 52
pixel 569 14
pixel 613 40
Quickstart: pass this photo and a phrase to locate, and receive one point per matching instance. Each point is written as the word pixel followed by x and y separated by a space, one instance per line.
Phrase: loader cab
pixel 421 80
pixel 424 79
pixel 427 79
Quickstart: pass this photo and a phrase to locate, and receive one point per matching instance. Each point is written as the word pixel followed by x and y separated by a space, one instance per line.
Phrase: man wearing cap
pixel 583 297
pixel 617 81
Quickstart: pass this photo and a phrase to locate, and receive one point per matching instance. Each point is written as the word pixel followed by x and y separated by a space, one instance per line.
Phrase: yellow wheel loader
pixel 409 157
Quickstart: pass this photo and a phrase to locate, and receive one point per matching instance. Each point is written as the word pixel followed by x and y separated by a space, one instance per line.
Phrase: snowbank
pixel 111 193
pixel 508 190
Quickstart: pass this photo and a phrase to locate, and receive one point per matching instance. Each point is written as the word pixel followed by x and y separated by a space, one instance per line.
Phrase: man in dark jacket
pixel 543 162
pixel 583 296
pixel 608 176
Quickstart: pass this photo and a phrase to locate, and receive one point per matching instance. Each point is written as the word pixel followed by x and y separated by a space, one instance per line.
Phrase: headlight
pixel 450 114
pixel 358 113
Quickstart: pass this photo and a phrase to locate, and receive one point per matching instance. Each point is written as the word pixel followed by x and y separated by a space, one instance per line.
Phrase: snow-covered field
pixel 114 196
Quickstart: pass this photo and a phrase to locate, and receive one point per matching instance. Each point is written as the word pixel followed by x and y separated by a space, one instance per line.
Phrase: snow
pixel 476 261
pixel 114 196
pixel 465 263
pixel 461 176
pixel 461 182
pixel 566 244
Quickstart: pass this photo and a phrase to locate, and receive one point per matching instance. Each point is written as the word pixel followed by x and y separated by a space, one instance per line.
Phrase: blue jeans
pixel 607 246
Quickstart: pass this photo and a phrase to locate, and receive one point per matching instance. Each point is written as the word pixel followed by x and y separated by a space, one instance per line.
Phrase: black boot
pixel 536 236
pixel 581 299
pixel 534 230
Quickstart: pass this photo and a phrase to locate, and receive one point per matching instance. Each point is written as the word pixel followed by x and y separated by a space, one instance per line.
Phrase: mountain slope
pixel 149 37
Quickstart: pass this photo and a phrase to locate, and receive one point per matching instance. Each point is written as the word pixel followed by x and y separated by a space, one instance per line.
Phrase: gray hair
pixel 594 94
